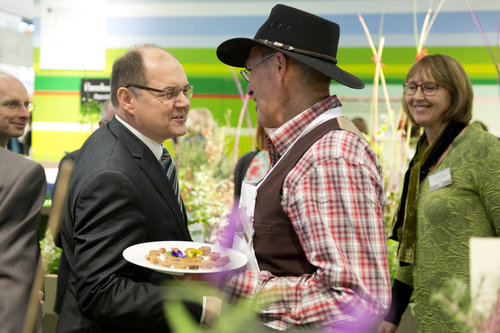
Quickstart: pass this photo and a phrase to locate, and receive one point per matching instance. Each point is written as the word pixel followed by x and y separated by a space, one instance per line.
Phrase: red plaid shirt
pixel 335 197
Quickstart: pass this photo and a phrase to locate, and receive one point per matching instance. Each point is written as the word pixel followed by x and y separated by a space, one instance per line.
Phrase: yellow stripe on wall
pixel 57 106
pixel 52 145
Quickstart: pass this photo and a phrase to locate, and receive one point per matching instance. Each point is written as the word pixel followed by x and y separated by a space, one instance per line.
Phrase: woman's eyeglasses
pixel 428 88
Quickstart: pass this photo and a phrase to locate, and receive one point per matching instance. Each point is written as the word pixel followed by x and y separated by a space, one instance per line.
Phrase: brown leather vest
pixel 277 247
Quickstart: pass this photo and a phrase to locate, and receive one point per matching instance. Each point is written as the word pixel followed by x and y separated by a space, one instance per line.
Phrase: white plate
pixel 136 254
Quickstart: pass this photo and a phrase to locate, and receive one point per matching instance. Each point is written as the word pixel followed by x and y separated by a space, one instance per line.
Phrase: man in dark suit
pixel 107 113
pixel 120 196
pixel 22 192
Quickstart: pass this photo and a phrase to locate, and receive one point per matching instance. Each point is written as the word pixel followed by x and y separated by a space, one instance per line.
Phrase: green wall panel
pixel 63 83
pixel 220 107
pixel 57 91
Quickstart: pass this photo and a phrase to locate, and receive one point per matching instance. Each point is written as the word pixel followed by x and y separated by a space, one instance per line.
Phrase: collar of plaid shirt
pixel 279 141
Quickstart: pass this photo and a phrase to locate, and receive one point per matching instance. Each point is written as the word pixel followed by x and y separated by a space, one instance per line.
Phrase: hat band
pixel 297 50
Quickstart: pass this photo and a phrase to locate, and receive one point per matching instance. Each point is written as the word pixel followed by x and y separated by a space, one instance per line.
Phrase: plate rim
pixel 174 271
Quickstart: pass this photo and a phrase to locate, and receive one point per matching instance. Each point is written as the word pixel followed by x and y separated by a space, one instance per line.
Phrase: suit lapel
pixel 152 169
pixel 155 173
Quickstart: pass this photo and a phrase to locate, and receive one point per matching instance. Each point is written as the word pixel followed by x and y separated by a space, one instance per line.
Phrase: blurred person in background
pixel 16 110
pixel 253 165
pixel 360 123
pixel 200 123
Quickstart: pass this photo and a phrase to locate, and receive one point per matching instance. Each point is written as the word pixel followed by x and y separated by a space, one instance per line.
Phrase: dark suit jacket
pixel 22 192
pixel 119 196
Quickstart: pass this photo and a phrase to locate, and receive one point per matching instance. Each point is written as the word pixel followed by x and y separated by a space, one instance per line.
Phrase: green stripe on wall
pixel 61 83
pixel 203 85
pixel 62 108
pixel 202 63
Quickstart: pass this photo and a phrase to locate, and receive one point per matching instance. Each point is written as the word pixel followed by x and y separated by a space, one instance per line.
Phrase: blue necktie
pixel 168 165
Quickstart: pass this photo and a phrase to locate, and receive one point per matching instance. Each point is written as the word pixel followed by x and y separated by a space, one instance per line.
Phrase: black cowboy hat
pixel 308 38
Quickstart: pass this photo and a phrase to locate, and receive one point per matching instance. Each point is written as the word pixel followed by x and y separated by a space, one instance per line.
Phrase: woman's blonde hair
pixel 200 122
pixel 449 75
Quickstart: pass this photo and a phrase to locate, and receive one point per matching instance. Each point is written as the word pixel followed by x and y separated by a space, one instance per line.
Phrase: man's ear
pixel 282 64
pixel 126 99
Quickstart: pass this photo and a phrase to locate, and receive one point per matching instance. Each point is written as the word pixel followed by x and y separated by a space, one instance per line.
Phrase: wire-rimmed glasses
pixel 170 93
pixel 247 72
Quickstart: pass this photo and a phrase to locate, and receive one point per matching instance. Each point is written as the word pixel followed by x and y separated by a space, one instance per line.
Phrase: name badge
pixel 440 179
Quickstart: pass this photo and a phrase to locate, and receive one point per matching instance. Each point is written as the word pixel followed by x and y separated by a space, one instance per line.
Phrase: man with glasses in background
pixel 318 216
pixel 120 196
pixel 22 192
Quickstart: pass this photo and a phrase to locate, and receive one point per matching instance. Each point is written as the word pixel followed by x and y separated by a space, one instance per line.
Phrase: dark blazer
pixel 119 196
pixel 22 192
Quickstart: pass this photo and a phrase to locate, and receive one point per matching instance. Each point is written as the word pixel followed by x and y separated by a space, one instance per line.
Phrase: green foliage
pixel 391 204
pixel 90 112
pixel 455 300
pixel 393 177
pixel 207 201
pixel 392 251
pixel 239 317
pixel 50 254
pixel 205 179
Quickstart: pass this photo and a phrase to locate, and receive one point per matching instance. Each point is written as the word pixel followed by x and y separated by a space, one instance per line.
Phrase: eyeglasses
pixel 428 88
pixel 16 106
pixel 247 72
pixel 171 93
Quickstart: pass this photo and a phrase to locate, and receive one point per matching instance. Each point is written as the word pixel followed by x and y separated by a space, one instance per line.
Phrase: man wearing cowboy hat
pixel 318 217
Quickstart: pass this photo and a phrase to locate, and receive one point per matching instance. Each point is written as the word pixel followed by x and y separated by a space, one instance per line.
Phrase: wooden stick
pixel 373 128
pixel 415 29
pixel 238 129
pixel 426 27
pixel 380 77
pixel 420 45
pixel 433 19
pixel 53 227
pixel 244 99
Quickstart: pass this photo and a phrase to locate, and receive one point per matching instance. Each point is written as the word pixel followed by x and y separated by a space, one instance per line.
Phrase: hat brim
pixel 234 52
